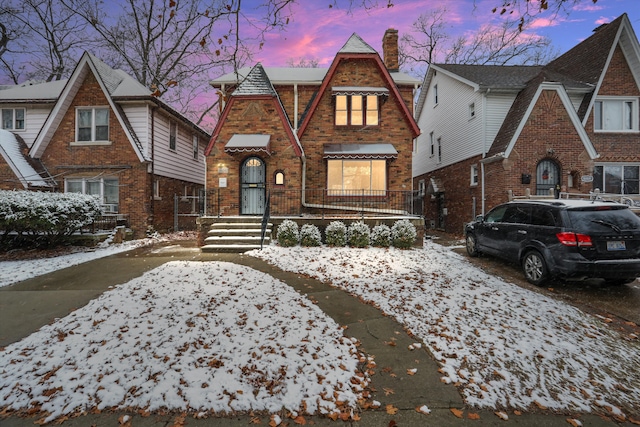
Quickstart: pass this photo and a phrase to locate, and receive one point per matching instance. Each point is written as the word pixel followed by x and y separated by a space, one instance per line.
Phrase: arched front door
pixel 547 176
pixel 252 187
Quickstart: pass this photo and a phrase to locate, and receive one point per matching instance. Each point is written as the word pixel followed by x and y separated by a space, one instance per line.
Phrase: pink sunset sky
pixel 317 32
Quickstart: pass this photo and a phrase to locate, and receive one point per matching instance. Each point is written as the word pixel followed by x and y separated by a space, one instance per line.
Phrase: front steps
pixel 235 235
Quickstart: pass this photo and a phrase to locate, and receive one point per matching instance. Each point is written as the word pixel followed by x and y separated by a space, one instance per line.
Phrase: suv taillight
pixel 575 239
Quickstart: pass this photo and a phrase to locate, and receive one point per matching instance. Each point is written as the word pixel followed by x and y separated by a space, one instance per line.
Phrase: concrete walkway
pixel 28 305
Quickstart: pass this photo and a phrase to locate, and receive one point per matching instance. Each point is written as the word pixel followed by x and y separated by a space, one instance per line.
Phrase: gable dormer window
pixel 355 106
pixel 616 114
pixel 92 124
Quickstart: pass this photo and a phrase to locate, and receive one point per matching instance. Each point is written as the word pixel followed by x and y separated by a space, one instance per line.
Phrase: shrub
pixel 381 236
pixel 358 235
pixel 336 234
pixel 310 235
pixel 403 234
pixel 44 219
pixel 288 234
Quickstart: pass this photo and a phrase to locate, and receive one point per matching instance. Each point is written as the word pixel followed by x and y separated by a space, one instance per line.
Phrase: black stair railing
pixel 265 219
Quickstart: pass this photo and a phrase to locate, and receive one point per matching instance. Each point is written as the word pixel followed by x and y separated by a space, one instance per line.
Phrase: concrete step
pixel 237 232
pixel 232 240
pixel 238 225
pixel 229 248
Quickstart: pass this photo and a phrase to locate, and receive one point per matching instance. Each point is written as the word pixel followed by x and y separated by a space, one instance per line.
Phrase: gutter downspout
pixel 295 107
pixel 484 148
pixel 153 163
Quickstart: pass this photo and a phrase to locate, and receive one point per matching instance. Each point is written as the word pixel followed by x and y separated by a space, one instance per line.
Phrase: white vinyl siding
pixel 178 164
pixel 34 118
pixel 139 118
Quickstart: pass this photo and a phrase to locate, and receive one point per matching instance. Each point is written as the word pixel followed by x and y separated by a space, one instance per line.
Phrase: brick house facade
pixel 286 119
pixel 531 129
pixel 125 155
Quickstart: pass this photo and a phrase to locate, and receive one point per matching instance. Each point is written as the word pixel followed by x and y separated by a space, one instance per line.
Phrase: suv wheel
pixel 472 247
pixel 534 267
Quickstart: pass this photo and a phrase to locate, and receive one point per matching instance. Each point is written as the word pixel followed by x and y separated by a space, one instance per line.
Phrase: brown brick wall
pixel 252 116
pixel 393 128
pixel 163 206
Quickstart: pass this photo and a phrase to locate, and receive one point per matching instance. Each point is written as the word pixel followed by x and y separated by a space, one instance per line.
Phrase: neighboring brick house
pixel 317 138
pixel 101 132
pixel 571 125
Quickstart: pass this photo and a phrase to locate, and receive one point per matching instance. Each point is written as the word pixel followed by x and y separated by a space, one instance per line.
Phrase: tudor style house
pixel 101 132
pixel 315 139
pixel 490 131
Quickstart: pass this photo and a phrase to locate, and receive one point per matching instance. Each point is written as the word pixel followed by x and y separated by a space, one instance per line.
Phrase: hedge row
pixel 358 235
pixel 30 218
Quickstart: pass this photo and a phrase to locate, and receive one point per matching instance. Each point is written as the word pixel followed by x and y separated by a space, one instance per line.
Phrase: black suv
pixel 567 239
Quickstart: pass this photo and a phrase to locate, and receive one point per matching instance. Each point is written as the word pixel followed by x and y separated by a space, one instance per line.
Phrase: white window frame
pixel 432 145
pixel 435 95
pixel 156 189
pixel 195 145
pixel 173 135
pixel 93 139
pixel 622 177
pixel 422 188
pixel 108 206
pixel 472 110
pixel 600 122
pixel 474 175
pixel 14 119
pixel 439 141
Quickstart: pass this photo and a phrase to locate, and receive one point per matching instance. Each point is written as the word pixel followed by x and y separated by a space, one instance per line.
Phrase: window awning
pixel 244 143
pixel 360 151
pixel 359 90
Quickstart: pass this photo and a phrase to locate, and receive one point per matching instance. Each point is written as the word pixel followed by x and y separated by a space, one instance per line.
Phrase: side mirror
pixel 479 218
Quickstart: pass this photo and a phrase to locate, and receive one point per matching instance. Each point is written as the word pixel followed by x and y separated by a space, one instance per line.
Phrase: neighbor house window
pixel 357 110
pixel 106 189
pixel 616 115
pixel 617 178
pixel 92 124
pixel 173 135
pixel 439 150
pixel 156 189
pixel 472 110
pixel 194 144
pixel 345 177
pixel 421 187
pixel 13 118
pixel 435 94
pixel 474 175
pixel 432 149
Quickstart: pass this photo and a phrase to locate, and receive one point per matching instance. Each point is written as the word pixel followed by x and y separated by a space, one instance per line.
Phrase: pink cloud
pixel 603 20
pixel 544 22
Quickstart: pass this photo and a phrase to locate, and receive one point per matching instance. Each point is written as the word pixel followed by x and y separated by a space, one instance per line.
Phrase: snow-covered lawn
pixel 198 336
pixel 504 346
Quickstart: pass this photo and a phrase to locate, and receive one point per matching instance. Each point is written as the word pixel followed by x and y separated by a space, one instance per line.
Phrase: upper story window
pixel 13 118
pixel 195 143
pixel 92 124
pixel 435 94
pixel 357 110
pixel 616 115
pixel 173 135
pixel 472 110
pixel 432 149
pixel 439 150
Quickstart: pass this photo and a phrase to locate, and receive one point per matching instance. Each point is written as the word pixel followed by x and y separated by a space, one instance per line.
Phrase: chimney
pixel 390 49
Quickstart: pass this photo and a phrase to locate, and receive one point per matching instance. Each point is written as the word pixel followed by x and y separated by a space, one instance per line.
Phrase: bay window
pixel 345 177
pixel 616 115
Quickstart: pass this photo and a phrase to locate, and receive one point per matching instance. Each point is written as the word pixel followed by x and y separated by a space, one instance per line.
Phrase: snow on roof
pixel 256 83
pixel 28 91
pixel 10 151
pixel 355 44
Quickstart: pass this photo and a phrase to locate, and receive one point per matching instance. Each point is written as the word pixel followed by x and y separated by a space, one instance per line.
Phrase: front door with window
pixel 253 188
pixel 547 177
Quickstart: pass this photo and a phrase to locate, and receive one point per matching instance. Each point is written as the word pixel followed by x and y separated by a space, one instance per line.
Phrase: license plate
pixel 616 246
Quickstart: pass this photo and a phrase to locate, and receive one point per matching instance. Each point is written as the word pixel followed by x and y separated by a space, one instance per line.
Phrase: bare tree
pixel 526 10
pixel 303 63
pixel 502 44
pixel 48 41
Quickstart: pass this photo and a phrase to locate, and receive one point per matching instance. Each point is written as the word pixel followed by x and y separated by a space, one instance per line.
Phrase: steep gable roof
pixel 355 47
pixel 256 85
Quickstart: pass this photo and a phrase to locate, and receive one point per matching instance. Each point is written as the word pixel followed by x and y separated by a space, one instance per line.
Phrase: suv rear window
pixel 603 220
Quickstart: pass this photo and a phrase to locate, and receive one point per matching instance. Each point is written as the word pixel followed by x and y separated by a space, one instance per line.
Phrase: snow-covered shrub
pixel 403 234
pixel 381 236
pixel 336 234
pixel 44 219
pixel 310 235
pixel 358 234
pixel 288 234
